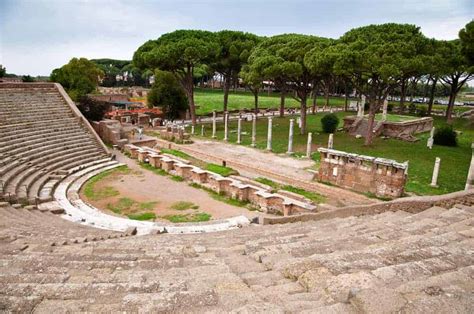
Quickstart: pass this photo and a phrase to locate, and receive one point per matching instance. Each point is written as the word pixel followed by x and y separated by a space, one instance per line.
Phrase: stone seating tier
pixel 385 263
pixel 16 182
pixel 42 136
pixel 35 137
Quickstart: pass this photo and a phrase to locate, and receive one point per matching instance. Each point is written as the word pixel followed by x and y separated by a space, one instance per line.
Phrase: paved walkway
pixel 257 163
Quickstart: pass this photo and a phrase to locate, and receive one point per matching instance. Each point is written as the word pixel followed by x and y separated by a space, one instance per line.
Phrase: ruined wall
pixel 401 130
pixel 381 177
pixel 109 98
pixel 175 133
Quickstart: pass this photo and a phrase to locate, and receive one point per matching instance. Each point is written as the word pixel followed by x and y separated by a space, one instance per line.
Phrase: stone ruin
pixel 175 133
pixel 403 130
pixel 132 91
pixel 379 176
pixel 281 203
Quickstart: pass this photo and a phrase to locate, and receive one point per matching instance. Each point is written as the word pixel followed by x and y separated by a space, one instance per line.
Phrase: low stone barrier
pixel 273 203
pixel 412 205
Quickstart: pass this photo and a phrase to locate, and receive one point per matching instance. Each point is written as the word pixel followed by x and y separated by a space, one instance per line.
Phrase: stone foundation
pixel 273 203
pixel 381 177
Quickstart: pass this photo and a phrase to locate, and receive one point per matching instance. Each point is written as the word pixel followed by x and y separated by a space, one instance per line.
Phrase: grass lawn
pixel 95 193
pixel 209 100
pixel 395 117
pixel 192 217
pixel 454 160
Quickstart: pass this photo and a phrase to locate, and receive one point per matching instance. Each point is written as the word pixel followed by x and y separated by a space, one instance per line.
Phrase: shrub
pixel 412 108
pixel 422 112
pixel 390 107
pixel 330 123
pixel 445 136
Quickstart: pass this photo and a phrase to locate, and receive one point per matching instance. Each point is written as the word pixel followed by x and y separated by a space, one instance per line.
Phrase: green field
pixel 209 100
pixel 454 161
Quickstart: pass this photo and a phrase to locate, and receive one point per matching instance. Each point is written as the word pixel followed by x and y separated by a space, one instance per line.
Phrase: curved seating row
pixel 41 139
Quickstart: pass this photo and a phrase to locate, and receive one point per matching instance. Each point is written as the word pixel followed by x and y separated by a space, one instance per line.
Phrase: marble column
pixel 269 134
pixel 290 137
pixel 254 130
pixel 360 113
pixel 331 141
pixel 226 126
pixel 213 124
pixel 470 175
pixel 239 130
pixel 384 110
pixel 308 145
pixel 430 141
pixel 434 178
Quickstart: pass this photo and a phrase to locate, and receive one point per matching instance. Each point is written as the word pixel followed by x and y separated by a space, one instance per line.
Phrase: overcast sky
pixel 37 36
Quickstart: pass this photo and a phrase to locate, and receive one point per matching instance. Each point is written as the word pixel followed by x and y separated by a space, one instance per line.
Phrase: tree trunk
pixel 432 92
pixel 314 105
pixel 370 123
pixel 403 92
pixel 226 92
pixel 346 98
pixel 303 115
pixel 449 110
pixel 255 96
pixel 315 101
pixel 282 103
pixel 326 95
pixel 452 97
pixel 192 107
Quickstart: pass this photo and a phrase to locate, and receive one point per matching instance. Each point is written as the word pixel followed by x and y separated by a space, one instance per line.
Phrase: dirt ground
pixel 145 186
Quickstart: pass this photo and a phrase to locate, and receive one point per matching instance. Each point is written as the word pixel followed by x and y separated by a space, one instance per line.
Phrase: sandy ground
pixel 145 186
pixel 282 164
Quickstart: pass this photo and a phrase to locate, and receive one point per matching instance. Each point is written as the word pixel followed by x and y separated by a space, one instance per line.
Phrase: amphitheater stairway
pixel 42 140
pixel 390 262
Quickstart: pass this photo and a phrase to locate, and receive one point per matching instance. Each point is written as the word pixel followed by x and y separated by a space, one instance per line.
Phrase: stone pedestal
pixel 226 126
pixel 213 124
pixel 290 137
pixel 434 178
pixel 330 141
pixel 202 130
pixel 269 134
pixel 239 130
pixel 254 130
pixel 308 145
pixel 470 175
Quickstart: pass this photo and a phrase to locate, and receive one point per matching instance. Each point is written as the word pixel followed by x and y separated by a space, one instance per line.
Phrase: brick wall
pixel 381 177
